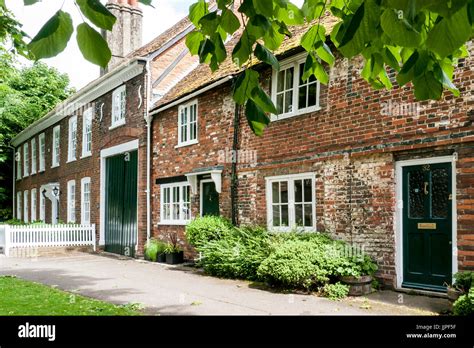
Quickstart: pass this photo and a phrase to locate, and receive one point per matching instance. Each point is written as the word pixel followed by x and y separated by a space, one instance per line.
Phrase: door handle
pixel 426 187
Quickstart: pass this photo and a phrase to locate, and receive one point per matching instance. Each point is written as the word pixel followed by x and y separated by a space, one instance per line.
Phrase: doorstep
pixel 421 292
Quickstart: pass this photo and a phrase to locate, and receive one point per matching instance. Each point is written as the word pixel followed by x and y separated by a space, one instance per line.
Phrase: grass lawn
pixel 21 297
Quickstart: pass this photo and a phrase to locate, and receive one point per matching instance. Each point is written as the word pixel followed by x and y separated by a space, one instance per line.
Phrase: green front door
pixel 427 226
pixel 210 199
pixel 121 204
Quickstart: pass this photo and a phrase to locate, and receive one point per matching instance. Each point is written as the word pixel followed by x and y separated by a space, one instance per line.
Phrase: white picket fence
pixel 42 236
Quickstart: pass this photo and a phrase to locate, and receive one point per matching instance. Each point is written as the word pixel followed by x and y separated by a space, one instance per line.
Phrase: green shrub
pixel 237 254
pixel 464 305
pixel 205 229
pixel 463 280
pixel 335 291
pixel 154 248
pixel 14 222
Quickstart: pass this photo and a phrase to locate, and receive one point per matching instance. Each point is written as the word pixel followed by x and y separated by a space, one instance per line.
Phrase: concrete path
pixel 168 290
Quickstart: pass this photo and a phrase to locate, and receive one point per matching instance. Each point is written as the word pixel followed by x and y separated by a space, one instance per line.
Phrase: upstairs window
pixel 56 146
pixel 86 201
pixel 26 160
pixel 291 95
pixel 188 124
pixel 18 164
pixel 42 152
pixel 118 106
pixel 175 207
pixel 72 139
pixel 33 205
pixel 87 133
pixel 33 155
pixel 71 201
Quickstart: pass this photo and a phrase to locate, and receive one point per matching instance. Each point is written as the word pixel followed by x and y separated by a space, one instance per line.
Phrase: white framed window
pixel 188 124
pixel 42 152
pixel 26 160
pixel 86 201
pixel 118 106
pixel 19 207
pixel 33 155
pixel 291 202
pixel 175 203
pixel 72 139
pixel 18 164
pixel 33 204
pixel 56 146
pixel 71 201
pixel 25 206
pixel 291 95
pixel 87 132
pixel 42 215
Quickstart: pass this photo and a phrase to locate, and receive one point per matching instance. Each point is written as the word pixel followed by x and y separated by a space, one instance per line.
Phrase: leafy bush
pixel 154 248
pixel 463 280
pixel 464 305
pixel 14 222
pixel 205 229
pixel 335 291
pixel 238 254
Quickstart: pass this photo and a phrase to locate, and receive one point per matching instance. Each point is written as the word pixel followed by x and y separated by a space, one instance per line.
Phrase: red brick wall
pixel 102 138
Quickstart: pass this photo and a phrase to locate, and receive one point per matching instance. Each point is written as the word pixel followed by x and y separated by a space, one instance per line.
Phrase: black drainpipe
pixel 235 148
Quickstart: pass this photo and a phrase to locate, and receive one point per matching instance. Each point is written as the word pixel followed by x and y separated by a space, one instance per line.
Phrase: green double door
pixel 427 226
pixel 121 204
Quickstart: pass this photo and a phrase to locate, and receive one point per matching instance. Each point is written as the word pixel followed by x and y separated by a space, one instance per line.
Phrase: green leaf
pixel 256 118
pixel 313 67
pixel 53 37
pixel 209 23
pixel 314 35
pixel 262 53
pixel 92 45
pixel 230 23
pixel 30 2
pixel 193 41
pixel 312 9
pixel 449 34
pixel 325 53
pixel 291 15
pixel 427 87
pixel 445 80
pixel 273 38
pixel 206 50
pixel 264 7
pixel 97 13
pixel 407 73
pixel 243 49
pixel 390 59
pixel 399 30
pixel 262 99
pixel 147 2
pixel 197 11
pixel 244 86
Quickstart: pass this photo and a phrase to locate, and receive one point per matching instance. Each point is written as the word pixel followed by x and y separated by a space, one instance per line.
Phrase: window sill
pixel 118 124
pixel 86 155
pixel 71 160
pixel 41 171
pixel 54 166
pixel 173 223
pixel 189 143
pixel 295 114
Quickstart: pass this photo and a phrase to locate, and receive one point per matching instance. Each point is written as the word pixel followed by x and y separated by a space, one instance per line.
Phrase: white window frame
pixel 71 201
pixel 291 202
pixel 294 62
pixel 19 173
pixel 34 151
pixel 42 212
pixel 84 210
pixel 42 152
pixel 56 153
pixel 119 119
pixel 72 139
pixel 188 141
pixel 19 206
pixel 87 118
pixel 34 204
pixel 181 186
pixel 25 206
pixel 26 160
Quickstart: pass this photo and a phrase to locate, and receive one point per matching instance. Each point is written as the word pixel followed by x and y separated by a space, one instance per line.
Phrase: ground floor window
pixel 25 206
pixel 33 205
pixel 71 201
pixel 42 215
pixel 18 205
pixel 175 203
pixel 291 202
pixel 86 201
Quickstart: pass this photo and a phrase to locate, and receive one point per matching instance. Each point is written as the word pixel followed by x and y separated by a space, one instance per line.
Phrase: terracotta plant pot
pixel 358 286
pixel 453 294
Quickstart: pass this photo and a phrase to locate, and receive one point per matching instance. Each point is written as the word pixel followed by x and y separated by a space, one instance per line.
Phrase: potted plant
pixel 462 284
pixel 358 274
pixel 151 250
pixel 174 253
pixel 161 255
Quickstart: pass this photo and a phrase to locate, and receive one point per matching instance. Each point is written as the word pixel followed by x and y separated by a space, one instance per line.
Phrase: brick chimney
pixel 126 35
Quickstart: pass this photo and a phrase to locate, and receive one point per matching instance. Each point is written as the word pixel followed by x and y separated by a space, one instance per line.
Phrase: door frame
pixel 201 193
pixel 104 154
pixel 398 222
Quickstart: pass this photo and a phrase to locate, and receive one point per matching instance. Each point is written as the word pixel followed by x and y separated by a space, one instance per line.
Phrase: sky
pixel 70 61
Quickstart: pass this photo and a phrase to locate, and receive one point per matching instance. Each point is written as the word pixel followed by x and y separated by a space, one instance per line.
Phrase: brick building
pixel 376 168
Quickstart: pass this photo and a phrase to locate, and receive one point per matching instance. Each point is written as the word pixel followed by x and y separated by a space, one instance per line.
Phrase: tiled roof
pixel 202 76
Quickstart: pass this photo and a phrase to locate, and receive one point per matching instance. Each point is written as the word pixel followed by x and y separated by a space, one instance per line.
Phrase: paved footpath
pixel 169 290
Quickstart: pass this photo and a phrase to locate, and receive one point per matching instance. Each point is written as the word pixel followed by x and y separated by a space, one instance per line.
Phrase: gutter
pixel 193 95
pixel 14 212
pixel 148 120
